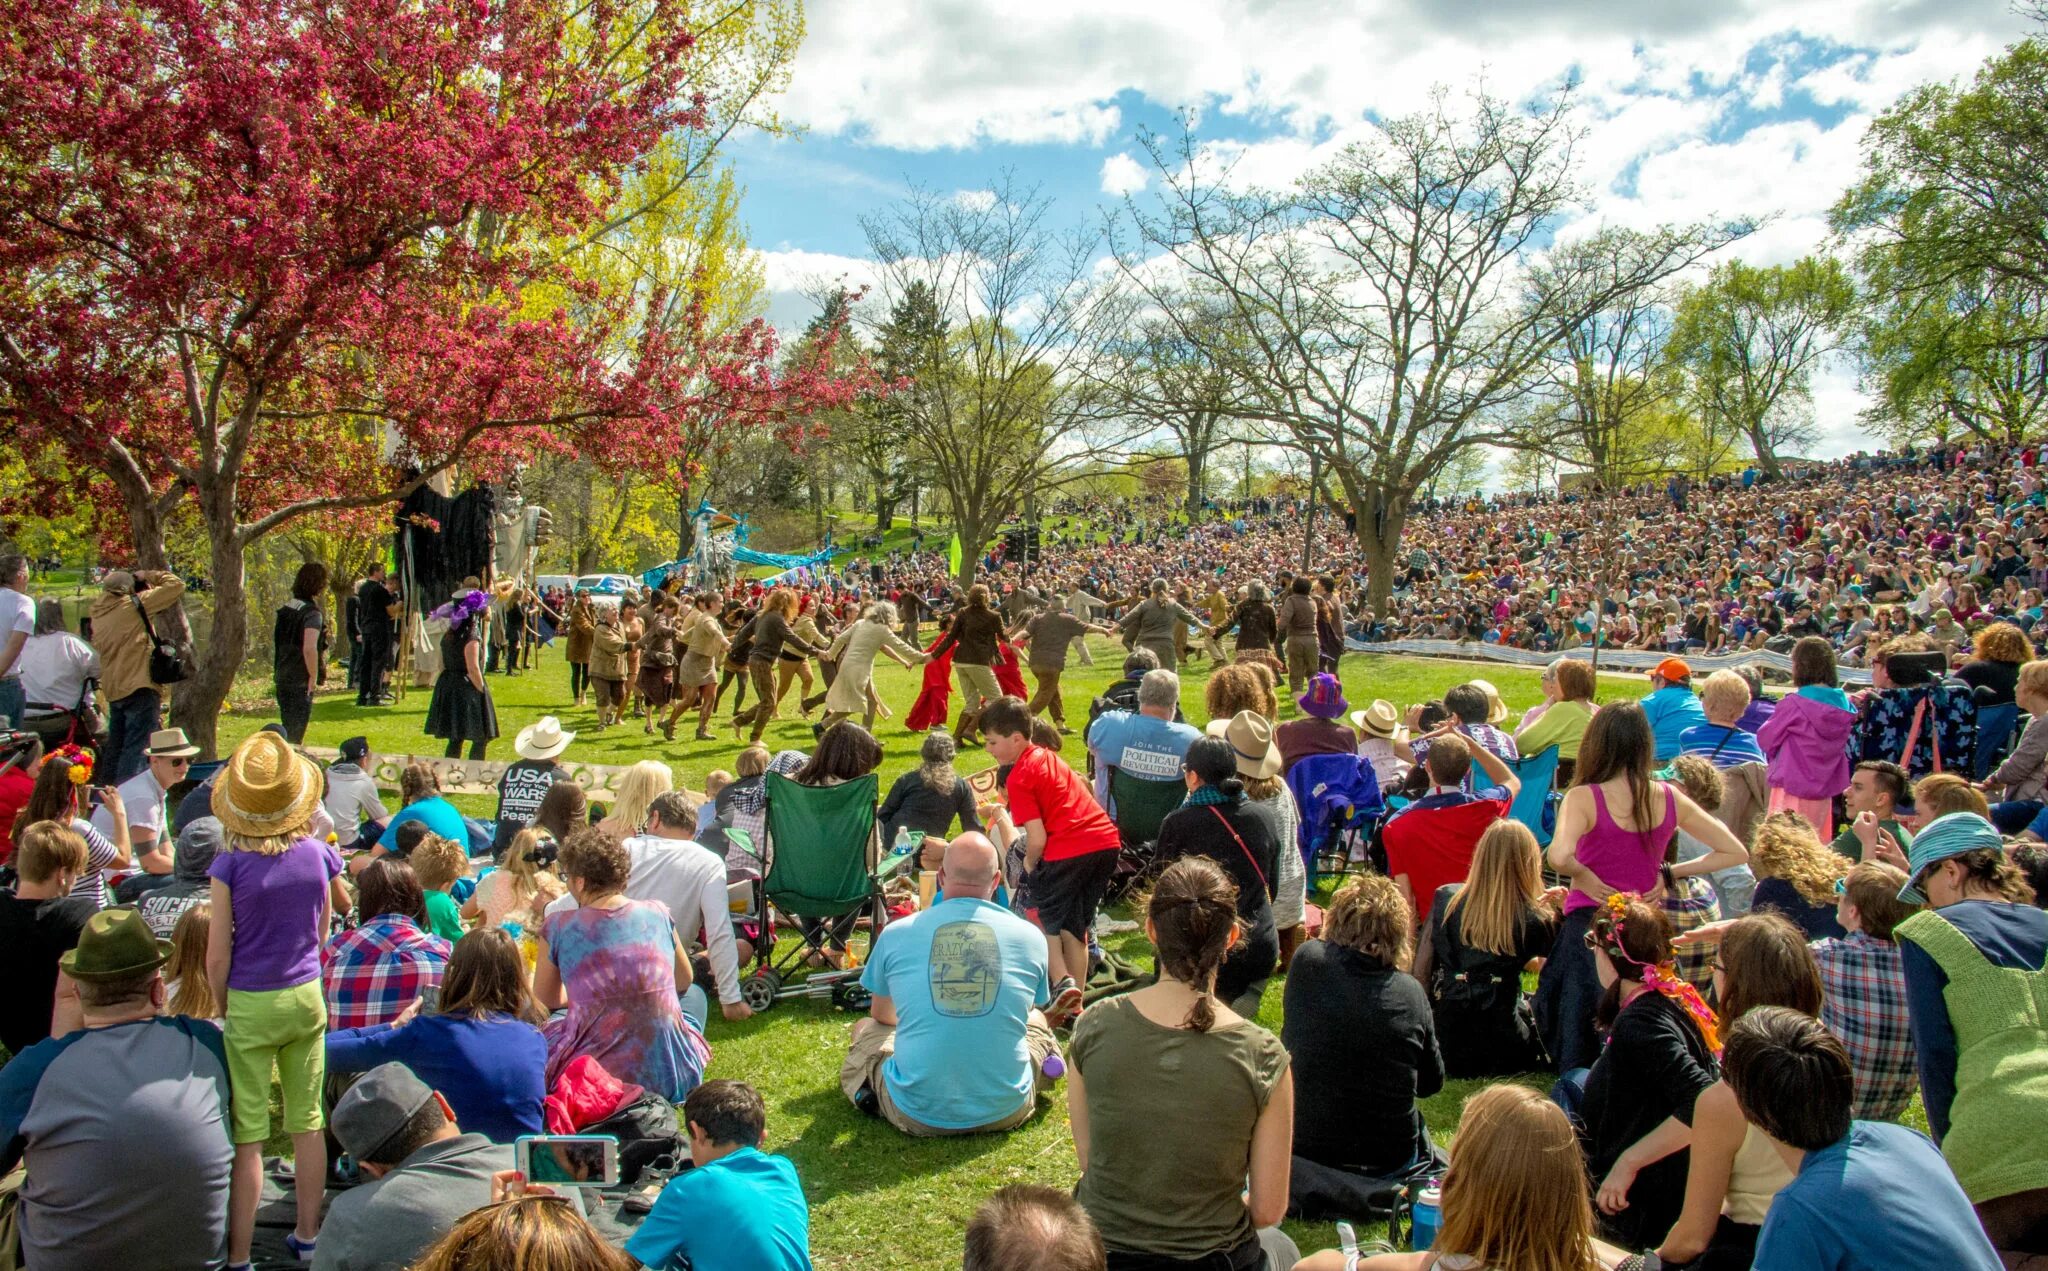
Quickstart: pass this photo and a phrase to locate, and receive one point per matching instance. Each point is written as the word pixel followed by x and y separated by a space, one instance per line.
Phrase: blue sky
pixel 1742 107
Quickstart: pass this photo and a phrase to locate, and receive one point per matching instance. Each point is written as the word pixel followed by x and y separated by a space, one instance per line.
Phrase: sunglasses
pixel 177 762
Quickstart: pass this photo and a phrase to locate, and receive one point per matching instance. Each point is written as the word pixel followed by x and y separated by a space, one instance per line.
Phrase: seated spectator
pixel 1907 682
pixel 1243 838
pixel 1560 719
pixel 1147 743
pixel 1249 735
pixel 1732 1174
pixel 1805 740
pixel 1481 935
pixel 1973 962
pixel 56 667
pixel 1796 875
pixel 158 1085
pixel 739 1209
pixel 185 984
pixel 930 797
pixel 198 844
pixel 352 800
pixel 1361 1040
pixel 1071 846
pixel 1159 1183
pixel 1878 786
pixel 1997 654
pixel 1430 842
pixel 1321 730
pixel 40 921
pixel 1024 1227
pixel 379 967
pixel 2020 783
pixel 636 791
pixel 1722 740
pixel 419 791
pixel 520 889
pixel 1658 1059
pixel 1847 1204
pixel 619 967
pixel 1379 726
pixel 1863 991
pixel 1706 786
pixel 437 863
pixel 953 1042
pixel 1761 707
pixel 524 1227
pixel 59 786
pixel 482 1044
pixel 425 1172
pixel 563 808
pixel 669 869
pixel 1472 710
pixel 1515 1196
pixel 143 797
pixel 1671 707
pixel 526 782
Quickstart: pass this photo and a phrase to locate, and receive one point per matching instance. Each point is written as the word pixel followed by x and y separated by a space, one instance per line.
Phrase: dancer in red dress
pixel 1009 675
pixel 929 711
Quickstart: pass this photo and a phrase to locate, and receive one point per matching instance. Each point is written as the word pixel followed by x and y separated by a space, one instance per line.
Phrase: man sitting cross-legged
pixel 740 1209
pixel 953 1043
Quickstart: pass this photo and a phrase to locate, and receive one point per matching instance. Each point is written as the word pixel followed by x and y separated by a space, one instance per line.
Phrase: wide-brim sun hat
pixel 542 739
pixel 114 944
pixel 1944 838
pixel 1250 735
pixel 1382 719
pixel 1324 698
pixel 1496 710
pixel 266 790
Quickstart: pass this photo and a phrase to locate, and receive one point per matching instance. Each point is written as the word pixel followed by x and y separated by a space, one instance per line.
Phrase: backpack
pixel 646 1131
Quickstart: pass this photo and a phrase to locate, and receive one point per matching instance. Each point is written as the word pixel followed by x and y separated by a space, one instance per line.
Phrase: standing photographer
pixel 121 622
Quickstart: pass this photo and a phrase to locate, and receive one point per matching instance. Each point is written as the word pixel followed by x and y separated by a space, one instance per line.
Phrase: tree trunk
pixel 1379 538
pixel 1198 465
pixel 196 704
pixel 1766 456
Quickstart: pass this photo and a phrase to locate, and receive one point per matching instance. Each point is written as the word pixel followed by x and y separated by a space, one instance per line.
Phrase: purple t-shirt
pixel 277 903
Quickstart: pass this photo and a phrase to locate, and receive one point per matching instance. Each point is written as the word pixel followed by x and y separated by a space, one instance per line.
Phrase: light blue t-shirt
pixel 441 816
pixel 963 976
pixel 1144 747
pixel 742 1212
pixel 1880 1196
pixel 1672 709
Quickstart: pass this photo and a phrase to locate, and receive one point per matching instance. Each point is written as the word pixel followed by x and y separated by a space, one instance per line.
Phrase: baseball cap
pixel 1674 669
pixel 377 1107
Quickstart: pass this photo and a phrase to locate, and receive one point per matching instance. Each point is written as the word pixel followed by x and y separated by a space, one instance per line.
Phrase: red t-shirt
pixel 15 787
pixel 1433 846
pixel 1042 788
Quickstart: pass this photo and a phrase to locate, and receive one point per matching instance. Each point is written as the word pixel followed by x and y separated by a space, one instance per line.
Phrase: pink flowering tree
pixel 273 259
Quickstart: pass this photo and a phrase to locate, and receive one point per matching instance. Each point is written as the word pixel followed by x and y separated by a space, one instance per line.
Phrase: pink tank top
pixel 1624 859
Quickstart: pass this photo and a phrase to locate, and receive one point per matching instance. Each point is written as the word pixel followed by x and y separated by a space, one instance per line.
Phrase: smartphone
pixel 568 1160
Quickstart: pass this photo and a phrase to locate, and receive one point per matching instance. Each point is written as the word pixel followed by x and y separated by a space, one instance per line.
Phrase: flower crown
pixel 80 760
pixel 463 608
pixel 1656 977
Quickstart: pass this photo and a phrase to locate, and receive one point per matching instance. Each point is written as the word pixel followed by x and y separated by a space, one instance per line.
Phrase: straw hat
pixel 542 739
pixel 1250 734
pixel 1381 719
pixel 1496 710
pixel 170 743
pixel 267 789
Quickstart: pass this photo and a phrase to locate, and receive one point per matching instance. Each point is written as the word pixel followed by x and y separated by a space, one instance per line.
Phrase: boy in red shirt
pixel 1070 845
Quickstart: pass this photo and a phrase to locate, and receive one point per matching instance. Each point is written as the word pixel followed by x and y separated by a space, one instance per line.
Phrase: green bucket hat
pixel 115 943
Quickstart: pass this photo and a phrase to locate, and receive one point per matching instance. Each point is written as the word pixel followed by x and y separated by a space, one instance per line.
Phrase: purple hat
pixel 1325 697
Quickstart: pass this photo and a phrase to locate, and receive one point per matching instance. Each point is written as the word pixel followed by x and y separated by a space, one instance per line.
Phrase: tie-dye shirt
pixel 618 972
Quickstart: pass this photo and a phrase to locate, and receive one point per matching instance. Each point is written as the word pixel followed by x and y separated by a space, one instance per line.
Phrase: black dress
pixel 1484 1021
pixel 458 711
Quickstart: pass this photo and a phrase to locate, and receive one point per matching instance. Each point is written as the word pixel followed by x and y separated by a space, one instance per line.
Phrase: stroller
pixel 819 845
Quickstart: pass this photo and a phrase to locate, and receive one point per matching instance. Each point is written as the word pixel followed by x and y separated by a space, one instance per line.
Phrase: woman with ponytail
pixel 1243 837
pixel 1175 1100
pixel 1661 1051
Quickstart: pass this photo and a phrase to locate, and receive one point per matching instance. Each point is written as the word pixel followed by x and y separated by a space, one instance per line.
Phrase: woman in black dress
pixel 1480 937
pixel 461 709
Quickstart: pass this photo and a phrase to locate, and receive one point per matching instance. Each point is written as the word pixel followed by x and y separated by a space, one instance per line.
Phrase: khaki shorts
pixel 873 1044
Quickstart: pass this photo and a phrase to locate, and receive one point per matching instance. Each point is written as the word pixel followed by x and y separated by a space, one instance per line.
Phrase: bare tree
pixel 1002 324
pixel 1395 306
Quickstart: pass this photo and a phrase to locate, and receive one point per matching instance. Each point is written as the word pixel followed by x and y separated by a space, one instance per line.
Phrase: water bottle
pixel 901 847
pixel 1428 1216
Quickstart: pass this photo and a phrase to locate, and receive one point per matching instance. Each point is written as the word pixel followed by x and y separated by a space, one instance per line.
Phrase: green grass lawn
pixel 871 1188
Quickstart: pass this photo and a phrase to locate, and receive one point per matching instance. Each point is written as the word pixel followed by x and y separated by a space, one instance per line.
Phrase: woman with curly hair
pixel 1796 874
pixel 1993 670
pixel 1238 687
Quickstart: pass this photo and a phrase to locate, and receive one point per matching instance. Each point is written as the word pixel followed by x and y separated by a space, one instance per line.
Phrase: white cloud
pixel 1122 175
pixel 975 200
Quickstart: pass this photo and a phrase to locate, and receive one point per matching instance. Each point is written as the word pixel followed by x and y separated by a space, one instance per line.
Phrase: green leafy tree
pixel 1749 340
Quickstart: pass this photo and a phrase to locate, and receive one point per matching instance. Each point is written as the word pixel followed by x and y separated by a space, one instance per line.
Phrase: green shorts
pixel 285 1029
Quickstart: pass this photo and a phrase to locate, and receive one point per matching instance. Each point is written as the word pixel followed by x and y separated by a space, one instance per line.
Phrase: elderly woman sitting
pixel 1722 741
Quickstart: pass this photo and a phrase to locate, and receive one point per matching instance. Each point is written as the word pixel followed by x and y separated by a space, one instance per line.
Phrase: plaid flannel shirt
pixel 374 972
pixel 1693 905
pixel 1863 1002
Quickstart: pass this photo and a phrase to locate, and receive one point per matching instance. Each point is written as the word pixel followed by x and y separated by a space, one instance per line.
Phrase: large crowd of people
pixel 1748 925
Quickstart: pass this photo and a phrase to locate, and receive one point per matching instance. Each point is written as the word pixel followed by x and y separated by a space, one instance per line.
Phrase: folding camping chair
pixel 1994 729
pixel 1141 806
pixel 1538 773
pixel 820 845
pixel 1339 799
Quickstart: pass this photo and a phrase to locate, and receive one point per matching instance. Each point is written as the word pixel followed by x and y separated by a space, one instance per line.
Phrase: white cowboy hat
pixel 1381 719
pixel 542 739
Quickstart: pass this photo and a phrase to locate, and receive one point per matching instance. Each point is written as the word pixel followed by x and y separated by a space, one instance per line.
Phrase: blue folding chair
pixel 1538 773
pixel 1994 729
